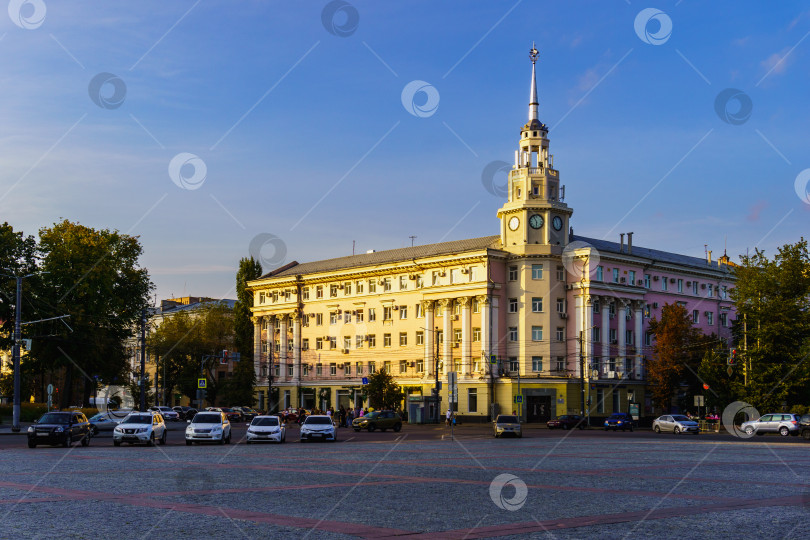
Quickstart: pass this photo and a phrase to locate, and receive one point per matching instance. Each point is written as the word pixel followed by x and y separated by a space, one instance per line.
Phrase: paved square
pixel 587 485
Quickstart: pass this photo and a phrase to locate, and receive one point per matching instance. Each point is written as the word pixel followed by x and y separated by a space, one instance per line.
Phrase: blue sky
pixel 304 135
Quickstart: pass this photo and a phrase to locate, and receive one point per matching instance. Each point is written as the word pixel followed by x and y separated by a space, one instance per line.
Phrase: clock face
pixel 514 223
pixel 556 223
pixel 536 221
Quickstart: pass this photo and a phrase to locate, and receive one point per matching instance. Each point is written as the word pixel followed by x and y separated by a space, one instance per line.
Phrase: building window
pixel 347 369
pixel 358 368
pixel 560 273
pixel 612 334
pixel 333 342
pixel 632 277
pixel 648 338
pixel 537 333
pixel 612 310
pixel 347 342
pixel 695 316
pixel 434 278
pixel 403 283
pixel 305 293
pixel 387 313
pixel 387 366
pixel 333 318
pixel 709 317
pixel 387 284
pixel 262 297
pixel 403 366
pixel 723 320
pixel 372 286
pixel 403 312
pixel 358 341
pixel 386 340
pixel 560 363
pixel 596 306
pixel 456 336
pixel 628 337
pixel 600 273
pixel 403 339
pixel 358 315
pixel 514 367
pixel 420 337
pixel 274 296
pixel 560 335
pixel 472 400
pixel 513 333
pixel 513 273
pixel 319 291
pixel 537 305
pixel 537 271
pixel 664 283
pixel 647 283
pixel 372 340
pixel 695 288
pixel 440 337
pixel 420 281
pixel 680 285
pixel 318 344
pixel 347 317
pixel 347 288
pixel 333 289
pixel 724 292
pixel 305 344
pixel 319 319
pixel 420 366
pixel 419 311
pixel 513 305
pixel 476 335
pixel 372 367
pixel 615 275
pixel 476 305
pixel 372 315
pixel 616 395
pixel 333 369
pixel 595 335
pixel 359 287
pixel 537 363
pixel 647 311
pixel 560 305
pixel 710 290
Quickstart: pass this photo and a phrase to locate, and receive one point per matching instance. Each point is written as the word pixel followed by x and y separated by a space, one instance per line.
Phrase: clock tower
pixel 534 219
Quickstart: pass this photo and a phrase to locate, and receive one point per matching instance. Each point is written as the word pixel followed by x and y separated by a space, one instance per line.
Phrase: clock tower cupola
pixel 535 217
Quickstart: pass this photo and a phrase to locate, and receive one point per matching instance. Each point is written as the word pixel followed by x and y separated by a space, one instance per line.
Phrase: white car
pixel 140 427
pixel 167 413
pixel 208 426
pixel 676 423
pixel 318 427
pixel 266 428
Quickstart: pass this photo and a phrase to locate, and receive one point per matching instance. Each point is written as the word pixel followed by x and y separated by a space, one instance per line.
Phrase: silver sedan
pixel 676 423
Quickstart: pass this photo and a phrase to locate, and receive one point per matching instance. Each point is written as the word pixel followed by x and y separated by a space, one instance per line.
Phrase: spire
pixel 533 104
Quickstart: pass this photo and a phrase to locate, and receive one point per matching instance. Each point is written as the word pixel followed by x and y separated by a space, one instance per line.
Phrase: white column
pixel 486 336
pixel 282 355
pixel 605 306
pixel 621 313
pixel 257 347
pixel 466 336
pixel 427 306
pixel 447 349
pixel 296 318
pixel 639 338
pixel 272 360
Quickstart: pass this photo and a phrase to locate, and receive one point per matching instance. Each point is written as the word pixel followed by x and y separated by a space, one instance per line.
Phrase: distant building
pixel 523 317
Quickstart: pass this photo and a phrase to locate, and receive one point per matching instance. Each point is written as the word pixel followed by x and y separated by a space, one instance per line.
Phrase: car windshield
pixel 138 419
pixel 507 420
pixel 317 420
pixel 99 416
pixel 54 419
pixel 680 418
pixel 374 414
pixel 265 421
pixel 207 418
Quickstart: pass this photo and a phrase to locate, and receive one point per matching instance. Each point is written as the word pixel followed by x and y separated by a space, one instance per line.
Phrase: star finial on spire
pixel 533 53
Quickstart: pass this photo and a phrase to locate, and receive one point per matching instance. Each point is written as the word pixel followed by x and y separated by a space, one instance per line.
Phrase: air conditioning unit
pixel 702 285
pixel 627 317
pixel 381 282
pixel 655 278
pixel 465 270
pixel 411 364
pixel 456 344
pixel 345 351
pixel 688 283
pixel 672 280
pixel 655 304
pixel 442 273
pixel 641 282
pixel 622 280
pixel 563 315
pixel 412 276
pixel 339 312
pixel 706 313
pixel 396 308
pixel 365 338
pixel 340 286
pixel 455 317
pixel 611 374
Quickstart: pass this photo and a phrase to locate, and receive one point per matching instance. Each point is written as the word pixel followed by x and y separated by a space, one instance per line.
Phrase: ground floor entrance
pixel 538 408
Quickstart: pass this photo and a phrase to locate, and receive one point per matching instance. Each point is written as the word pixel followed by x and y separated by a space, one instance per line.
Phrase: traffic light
pixel 732 357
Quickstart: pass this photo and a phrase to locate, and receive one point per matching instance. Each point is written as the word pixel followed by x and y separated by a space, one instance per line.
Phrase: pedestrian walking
pixel 449 416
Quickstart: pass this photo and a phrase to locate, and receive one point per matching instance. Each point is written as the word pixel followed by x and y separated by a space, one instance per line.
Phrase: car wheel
pixel 383 429
pixel 749 430
pixel 95 431
pixel 163 438
pixel 32 444
pixel 657 429
pixel 228 439
pixel 356 430
pixel 116 443
pixel 151 441
pixel 784 431
pixel 806 434
pixel 371 428
pixel 397 427
pixel 631 429
pixel 67 442
pixel 565 426
pixel 677 430
pixel 86 440
pixel 188 443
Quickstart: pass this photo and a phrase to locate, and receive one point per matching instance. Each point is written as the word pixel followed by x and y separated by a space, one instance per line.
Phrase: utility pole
pixel 436 371
pixel 15 426
pixel 581 375
pixel 270 347
pixel 142 407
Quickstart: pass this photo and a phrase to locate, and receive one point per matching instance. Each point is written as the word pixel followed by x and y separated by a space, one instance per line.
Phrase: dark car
pixel 618 421
pixel 804 426
pixel 246 412
pixel 186 413
pixel 567 421
pixel 60 428
pixel 381 420
pixel 232 415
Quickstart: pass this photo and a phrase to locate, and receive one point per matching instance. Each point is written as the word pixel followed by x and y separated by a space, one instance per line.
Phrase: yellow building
pixel 534 320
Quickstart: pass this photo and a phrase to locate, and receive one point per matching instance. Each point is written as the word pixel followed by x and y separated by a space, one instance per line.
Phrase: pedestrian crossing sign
pixel 201 383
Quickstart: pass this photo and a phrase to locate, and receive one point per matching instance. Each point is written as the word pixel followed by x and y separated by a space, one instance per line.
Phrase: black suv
pixel 620 421
pixel 60 428
pixel 804 426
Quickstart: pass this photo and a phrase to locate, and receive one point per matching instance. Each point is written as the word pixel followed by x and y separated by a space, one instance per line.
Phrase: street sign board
pixel 50 389
pixel 201 383
pixel 518 399
pixel 493 359
pixel 365 380
pixel 699 401
pixel 634 410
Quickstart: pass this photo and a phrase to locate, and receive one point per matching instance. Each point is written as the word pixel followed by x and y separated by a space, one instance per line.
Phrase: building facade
pixel 534 320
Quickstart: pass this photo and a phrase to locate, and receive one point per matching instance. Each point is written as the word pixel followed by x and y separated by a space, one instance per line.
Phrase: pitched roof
pixel 606 246
pixel 387 256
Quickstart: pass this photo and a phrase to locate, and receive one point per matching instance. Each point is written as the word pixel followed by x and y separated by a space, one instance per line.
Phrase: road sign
pixel 50 389
pixel 201 383
pixel 493 359
pixel 699 401
pixel 365 380
pixel 518 399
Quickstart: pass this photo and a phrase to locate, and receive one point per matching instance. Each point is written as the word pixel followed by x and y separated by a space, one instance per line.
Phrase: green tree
pixel 93 276
pixel 240 387
pixel 772 300
pixel 134 388
pixel 17 257
pixel 382 391
pixel 677 345
pixel 723 388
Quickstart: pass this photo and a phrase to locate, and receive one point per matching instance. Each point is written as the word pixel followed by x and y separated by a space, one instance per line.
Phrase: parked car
pixel 167 413
pixel 246 412
pixel 288 415
pixel 618 421
pixel 783 424
pixel 804 426
pixel 676 423
pixel 208 426
pixel 318 427
pixel 141 427
pixel 567 421
pixel 104 421
pixel 186 413
pixel 381 420
pixel 507 424
pixel 233 416
pixel 266 428
pixel 60 428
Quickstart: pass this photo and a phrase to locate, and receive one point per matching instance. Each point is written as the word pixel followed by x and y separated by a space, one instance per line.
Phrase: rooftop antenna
pixel 353 241
pixel 412 237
